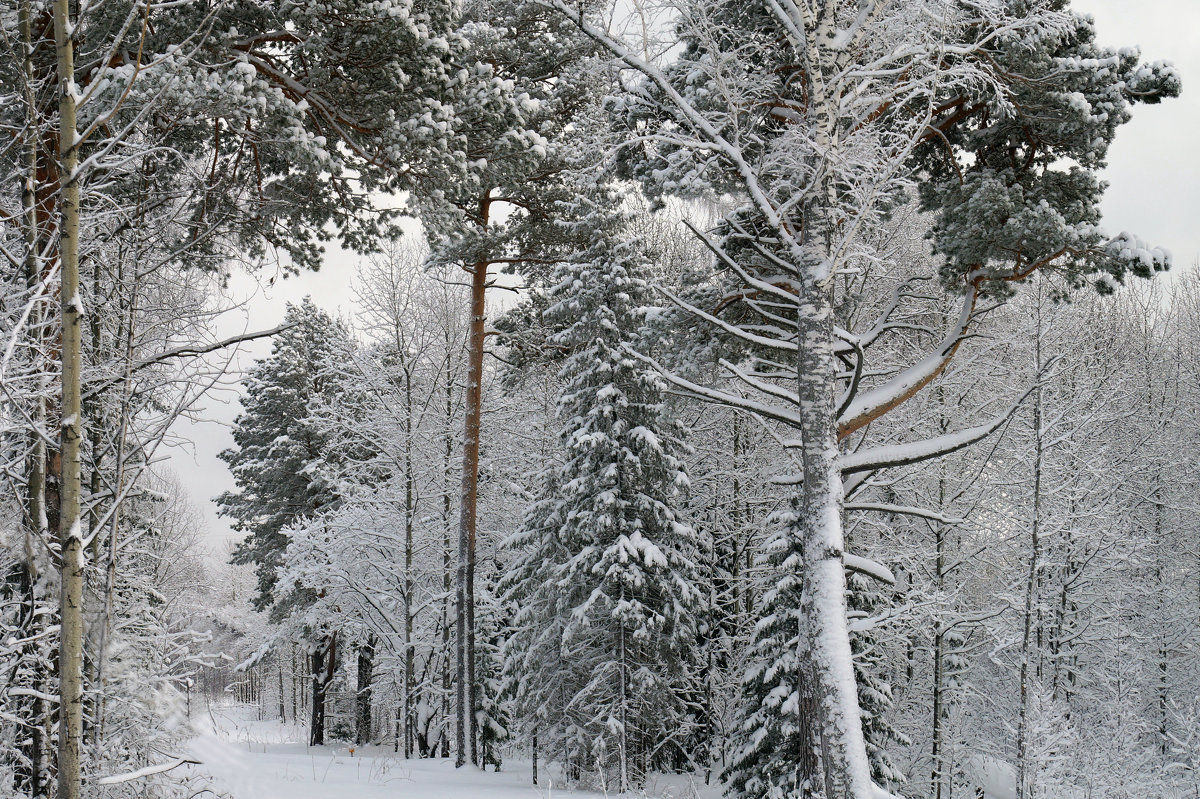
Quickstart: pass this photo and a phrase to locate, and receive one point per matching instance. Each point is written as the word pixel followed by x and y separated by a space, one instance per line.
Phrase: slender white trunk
pixel 70 664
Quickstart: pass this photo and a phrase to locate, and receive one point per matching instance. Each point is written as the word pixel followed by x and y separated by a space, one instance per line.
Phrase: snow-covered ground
pixel 251 759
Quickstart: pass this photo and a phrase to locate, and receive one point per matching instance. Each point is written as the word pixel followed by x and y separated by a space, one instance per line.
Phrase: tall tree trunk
pixel 409 514
pixel 321 677
pixel 37 521
pixel 809 780
pixel 1032 593
pixel 465 724
pixel 295 688
pixel 282 695
pixel 942 784
pixel 70 657
pixel 1163 688
pixel 623 699
pixel 819 526
pixel 447 506
pixel 362 699
pixel 938 777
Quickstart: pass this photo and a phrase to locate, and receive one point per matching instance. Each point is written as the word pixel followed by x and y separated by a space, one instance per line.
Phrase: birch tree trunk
pixel 70 528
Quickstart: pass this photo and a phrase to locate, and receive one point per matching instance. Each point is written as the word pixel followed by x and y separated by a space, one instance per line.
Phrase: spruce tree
pixel 865 599
pixel 776 749
pixel 492 710
pixel 606 578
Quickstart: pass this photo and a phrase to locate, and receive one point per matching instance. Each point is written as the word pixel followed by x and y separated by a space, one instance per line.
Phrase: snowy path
pixel 251 759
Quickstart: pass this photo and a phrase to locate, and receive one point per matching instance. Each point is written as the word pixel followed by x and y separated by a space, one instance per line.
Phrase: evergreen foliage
pixel 281 461
pixel 605 576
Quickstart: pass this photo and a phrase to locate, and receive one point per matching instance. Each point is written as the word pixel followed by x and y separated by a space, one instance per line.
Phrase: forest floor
pixel 252 759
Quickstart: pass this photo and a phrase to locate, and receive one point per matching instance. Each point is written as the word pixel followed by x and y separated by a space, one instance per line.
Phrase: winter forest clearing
pixel 245 757
pixel 756 399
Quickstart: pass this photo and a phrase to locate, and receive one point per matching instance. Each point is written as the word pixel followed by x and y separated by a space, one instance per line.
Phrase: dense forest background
pixel 748 392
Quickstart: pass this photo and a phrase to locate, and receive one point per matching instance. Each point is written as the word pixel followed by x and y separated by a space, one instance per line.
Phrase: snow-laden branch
pixel 868 567
pixel 717 396
pixel 870 405
pixel 148 771
pixel 733 330
pixel 903 510
pixel 917 451
pixel 185 351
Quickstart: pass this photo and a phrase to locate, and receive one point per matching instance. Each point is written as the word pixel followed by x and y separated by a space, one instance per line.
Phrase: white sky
pixel 1154 176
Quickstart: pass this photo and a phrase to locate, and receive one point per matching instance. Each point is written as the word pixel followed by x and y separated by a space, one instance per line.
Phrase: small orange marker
pixel 352 751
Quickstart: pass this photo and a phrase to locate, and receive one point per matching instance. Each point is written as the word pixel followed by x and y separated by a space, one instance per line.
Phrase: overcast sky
pixel 1154 192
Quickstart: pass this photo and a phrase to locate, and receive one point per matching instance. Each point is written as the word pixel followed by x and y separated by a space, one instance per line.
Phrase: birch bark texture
pixel 72 554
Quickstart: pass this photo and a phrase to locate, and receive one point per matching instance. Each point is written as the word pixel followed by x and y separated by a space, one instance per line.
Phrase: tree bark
pixel 623 698
pixel 36 522
pixel 295 688
pixel 465 724
pixel 447 456
pixel 819 526
pixel 70 658
pixel 282 706
pixel 942 784
pixel 366 670
pixel 809 779
pixel 1032 594
pixel 409 518
pixel 322 674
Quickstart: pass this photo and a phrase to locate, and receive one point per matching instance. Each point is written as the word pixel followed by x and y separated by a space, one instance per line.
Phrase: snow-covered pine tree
pixel 605 579
pixel 781 105
pixel 281 463
pixel 277 454
pixel 493 211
